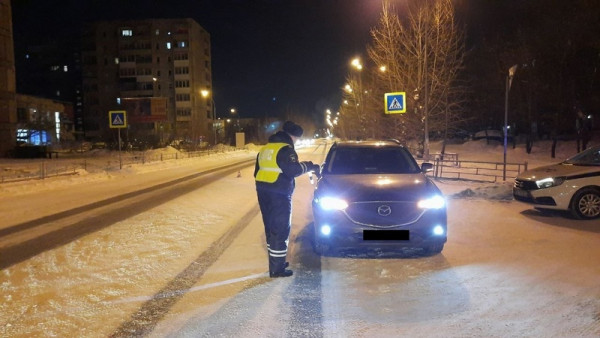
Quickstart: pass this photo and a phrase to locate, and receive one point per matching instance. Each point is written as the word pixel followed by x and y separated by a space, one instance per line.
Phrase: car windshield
pixel 371 160
pixel 587 157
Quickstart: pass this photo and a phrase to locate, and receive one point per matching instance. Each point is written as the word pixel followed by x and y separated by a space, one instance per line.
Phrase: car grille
pixel 525 185
pixel 383 214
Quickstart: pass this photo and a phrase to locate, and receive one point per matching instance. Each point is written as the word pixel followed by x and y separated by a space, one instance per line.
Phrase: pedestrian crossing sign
pixel 117 119
pixel 395 103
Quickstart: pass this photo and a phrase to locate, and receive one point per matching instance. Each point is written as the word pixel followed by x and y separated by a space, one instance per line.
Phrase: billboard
pixel 145 109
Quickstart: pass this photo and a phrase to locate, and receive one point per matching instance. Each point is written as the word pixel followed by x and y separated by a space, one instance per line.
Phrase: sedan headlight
pixel 435 202
pixel 549 182
pixel 332 203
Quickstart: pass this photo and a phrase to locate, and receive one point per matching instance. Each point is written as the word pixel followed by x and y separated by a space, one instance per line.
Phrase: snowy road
pixel 176 253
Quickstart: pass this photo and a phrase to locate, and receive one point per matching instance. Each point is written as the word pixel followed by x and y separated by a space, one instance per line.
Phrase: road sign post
pixel 118 119
pixel 395 103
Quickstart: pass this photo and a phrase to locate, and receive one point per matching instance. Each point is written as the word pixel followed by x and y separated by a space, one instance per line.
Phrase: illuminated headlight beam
pixel 331 203
pixel 435 202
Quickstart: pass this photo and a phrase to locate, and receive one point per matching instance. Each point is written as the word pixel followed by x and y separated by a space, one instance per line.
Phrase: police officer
pixel 276 167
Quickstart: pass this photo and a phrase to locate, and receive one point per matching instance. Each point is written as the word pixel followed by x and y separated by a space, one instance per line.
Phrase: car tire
pixel 434 249
pixel 586 204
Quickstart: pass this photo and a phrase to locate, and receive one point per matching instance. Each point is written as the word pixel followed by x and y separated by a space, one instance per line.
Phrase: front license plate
pixel 386 235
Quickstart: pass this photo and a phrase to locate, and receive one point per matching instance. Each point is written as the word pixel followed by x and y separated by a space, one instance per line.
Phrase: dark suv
pixel 374 194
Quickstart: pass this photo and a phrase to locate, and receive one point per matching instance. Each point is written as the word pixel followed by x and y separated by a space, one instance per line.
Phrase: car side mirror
pixel 426 167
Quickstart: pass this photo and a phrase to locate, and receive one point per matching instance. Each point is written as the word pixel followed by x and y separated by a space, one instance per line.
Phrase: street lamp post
pixel 509 77
pixel 206 93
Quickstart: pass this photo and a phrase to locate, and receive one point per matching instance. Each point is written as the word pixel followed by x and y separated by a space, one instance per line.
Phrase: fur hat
pixel 292 129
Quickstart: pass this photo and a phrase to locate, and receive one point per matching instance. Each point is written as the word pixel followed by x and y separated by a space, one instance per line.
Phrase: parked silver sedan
pixel 572 185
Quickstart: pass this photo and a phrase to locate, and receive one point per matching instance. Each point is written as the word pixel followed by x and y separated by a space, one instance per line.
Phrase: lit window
pixel 118 100
pixel 157 32
pixel 127 32
pixel 168 45
pixel 181 44
pixel 65 68
pixel 57 124
pixel 116 61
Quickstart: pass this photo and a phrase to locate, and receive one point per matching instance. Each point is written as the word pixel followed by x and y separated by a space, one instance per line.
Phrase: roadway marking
pixel 194 289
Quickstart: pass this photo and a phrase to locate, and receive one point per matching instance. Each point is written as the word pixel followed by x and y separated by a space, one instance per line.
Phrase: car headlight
pixel 549 182
pixel 332 203
pixel 435 202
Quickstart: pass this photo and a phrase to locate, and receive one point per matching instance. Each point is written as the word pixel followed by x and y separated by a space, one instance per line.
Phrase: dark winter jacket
pixel 287 160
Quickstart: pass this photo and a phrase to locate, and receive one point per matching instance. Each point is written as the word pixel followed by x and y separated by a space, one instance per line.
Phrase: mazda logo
pixel 384 210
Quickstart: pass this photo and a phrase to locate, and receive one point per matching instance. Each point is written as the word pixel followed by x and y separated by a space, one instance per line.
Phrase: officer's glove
pixel 316 169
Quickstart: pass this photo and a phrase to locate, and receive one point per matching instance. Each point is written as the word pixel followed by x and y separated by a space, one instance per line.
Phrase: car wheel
pixel 586 204
pixel 434 249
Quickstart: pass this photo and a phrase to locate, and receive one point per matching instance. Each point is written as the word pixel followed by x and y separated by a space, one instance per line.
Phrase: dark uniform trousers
pixel 276 209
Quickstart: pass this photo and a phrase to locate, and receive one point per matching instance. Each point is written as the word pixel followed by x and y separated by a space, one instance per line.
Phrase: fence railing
pixel 475 170
pixel 15 171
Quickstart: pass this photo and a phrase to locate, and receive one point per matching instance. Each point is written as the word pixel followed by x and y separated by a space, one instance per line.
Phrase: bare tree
pixel 422 57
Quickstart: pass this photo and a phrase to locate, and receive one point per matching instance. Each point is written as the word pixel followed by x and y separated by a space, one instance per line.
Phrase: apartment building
pixel 8 103
pixel 157 71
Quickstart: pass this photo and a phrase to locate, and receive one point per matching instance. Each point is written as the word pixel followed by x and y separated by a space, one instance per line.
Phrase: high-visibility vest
pixel 268 170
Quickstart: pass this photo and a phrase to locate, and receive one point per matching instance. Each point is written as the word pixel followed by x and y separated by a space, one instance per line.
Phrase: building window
pixel 118 100
pixel 168 45
pixel 181 56
pixel 181 44
pixel 65 68
pixel 57 125
pixel 182 70
pixel 184 112
pixel 182 84
pixel 182 97
pixel 126 32
pixel 157 32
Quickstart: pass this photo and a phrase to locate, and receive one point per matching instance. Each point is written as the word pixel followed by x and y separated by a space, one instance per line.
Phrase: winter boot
pixel 277 267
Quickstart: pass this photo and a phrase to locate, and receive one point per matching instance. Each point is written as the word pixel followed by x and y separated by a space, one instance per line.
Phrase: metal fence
pixel 475 170
pixel 69 164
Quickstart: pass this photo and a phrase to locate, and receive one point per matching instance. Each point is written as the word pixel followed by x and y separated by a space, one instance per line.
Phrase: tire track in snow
pixel 125 206
pixel 152 311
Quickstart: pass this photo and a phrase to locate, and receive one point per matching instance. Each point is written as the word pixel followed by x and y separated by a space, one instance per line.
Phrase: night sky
pixel 269 56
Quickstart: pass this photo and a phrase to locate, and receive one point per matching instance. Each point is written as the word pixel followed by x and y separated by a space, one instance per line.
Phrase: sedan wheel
pixel 586 204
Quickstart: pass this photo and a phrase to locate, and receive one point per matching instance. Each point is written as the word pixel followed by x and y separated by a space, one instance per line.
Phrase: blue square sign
pixel 117 119
pixel 395 103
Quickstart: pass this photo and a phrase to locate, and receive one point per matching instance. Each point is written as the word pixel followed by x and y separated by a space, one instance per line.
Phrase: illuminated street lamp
pixel 205 94
pixel 356 63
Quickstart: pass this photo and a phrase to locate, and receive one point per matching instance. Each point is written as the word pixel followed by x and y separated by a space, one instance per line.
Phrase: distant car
pixel 373 194
pixel 572 185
